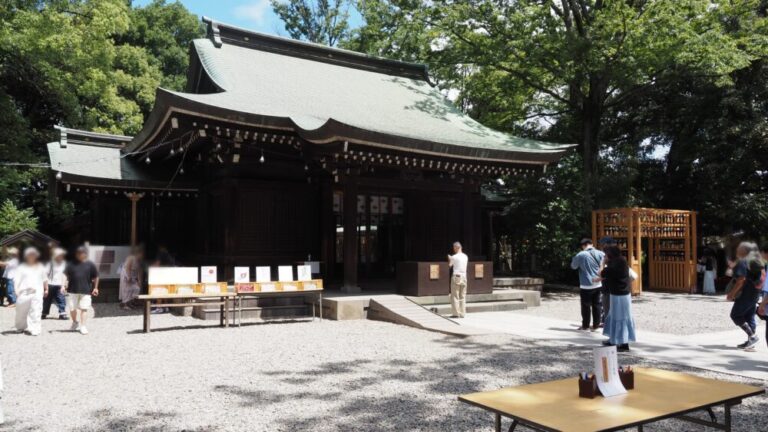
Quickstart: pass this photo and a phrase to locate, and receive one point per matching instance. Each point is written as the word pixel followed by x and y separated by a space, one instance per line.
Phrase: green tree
pixel 572 62
pixel 320 21
pixel 165 30
pixel 13 219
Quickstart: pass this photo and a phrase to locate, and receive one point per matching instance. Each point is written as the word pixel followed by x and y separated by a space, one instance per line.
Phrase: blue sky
pixel 251 14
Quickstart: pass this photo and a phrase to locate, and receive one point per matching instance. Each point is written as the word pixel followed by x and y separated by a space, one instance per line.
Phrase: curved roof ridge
pixel 220 34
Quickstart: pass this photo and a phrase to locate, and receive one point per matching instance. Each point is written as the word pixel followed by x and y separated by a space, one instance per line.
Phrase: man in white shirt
pixel 458 262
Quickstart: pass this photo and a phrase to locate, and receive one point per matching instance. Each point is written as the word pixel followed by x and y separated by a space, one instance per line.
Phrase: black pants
pixel 606 302
pixel 54 295
pixel 591 306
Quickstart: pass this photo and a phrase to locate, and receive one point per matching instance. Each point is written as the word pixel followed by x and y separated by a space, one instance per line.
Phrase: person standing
pixel 458 262
pixel 9 272
pixel 710 269
pixel 606 295
pixel 619 323
pixel 588 262
pixel 130 278
pixel 761 312
pixel 82 283
pixel 57 282
pixel 31 284
pixel 747 274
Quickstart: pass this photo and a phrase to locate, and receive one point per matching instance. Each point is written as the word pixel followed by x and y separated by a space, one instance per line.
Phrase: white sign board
pixel 208 274
pixel 304 272
pixel 607 371
pixel 242 274
pixel 108 259
pixel 172 275
pixel 263 274
pixel 285 273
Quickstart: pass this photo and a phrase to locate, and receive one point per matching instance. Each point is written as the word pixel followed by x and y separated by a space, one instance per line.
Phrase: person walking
pixel 57 282
pixel 761 312
pixel 458 262
pixel 606 295
pixel 588 262
pixel 9 273
pixel 31 284
pixel 82 283
pixel 747 273
pixel 130 278
pixel 710 270
pixel 619 323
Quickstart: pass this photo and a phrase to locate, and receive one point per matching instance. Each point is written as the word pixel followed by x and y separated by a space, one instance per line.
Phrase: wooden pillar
pixel 327 231
pixel 134 198
pixel 350 284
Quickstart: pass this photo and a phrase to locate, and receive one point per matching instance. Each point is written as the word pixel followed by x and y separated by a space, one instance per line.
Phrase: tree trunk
pixel 591 124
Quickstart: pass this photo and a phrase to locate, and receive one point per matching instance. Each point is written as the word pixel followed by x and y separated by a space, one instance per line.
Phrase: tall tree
pixel 320 21
pixel 575 63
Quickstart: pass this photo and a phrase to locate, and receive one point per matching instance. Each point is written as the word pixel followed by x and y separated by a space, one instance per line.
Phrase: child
pixel 31 284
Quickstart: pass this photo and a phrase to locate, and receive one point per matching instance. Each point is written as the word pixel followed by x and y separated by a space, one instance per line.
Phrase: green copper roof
pixel 328 95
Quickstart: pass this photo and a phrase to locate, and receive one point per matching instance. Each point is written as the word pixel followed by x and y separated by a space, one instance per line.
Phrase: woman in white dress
pixel 130 278
pixel 31 284
pixel 710 269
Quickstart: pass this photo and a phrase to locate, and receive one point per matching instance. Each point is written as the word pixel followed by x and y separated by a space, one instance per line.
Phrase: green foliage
pixel 13 219
pixel 320 21
pixel 89 64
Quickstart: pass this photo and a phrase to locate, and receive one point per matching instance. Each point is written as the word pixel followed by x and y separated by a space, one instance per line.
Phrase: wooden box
pixel 160 289
pixel 313 285
pixel 212 288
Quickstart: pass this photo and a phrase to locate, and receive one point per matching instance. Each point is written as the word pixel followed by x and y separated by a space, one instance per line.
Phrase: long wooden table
pixel 161 301
pixel 317 293
pixel 658 395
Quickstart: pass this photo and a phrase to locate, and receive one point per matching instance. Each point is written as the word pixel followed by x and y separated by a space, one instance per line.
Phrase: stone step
pixel 497 306
pixel 518 283
pixel 257 312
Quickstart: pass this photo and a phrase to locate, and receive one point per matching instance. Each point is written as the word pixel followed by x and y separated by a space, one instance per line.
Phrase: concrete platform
pixel 528 297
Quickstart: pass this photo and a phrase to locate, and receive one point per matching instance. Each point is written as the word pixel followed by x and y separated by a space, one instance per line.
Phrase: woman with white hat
pixel 9 272
pixel 31 284
pixel 57 284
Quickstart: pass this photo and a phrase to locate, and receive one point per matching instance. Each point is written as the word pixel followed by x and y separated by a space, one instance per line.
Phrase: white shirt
pixel 459 263
pixel 30 279
pixel 55 273
pixel 10 268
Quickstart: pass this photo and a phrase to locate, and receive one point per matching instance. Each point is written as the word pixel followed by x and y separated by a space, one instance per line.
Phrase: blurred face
pixel 31 259
pixel 59 258
pixel 456 248
pixel 741 252
pixel 82 256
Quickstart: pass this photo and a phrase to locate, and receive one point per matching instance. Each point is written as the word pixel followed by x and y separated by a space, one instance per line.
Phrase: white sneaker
pixel 75 326
pixel 83 330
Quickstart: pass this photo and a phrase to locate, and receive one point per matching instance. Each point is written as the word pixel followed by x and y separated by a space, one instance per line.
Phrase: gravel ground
pixel 329 376
pixel 679 314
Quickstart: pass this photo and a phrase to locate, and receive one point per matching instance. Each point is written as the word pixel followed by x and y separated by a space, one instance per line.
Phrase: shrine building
pixel 281 150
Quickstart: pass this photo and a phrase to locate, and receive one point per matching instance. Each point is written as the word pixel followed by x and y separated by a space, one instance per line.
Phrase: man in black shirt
pixel 82 283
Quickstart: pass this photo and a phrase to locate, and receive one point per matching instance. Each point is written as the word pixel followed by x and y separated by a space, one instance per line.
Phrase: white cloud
pixel 255 11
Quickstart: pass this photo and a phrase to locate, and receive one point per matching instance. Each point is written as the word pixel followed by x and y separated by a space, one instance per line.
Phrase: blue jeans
pixel 54 295
pixel 9 291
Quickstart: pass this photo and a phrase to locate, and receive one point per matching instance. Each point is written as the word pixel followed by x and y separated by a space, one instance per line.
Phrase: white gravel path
pixel 329 376
pixel 679 314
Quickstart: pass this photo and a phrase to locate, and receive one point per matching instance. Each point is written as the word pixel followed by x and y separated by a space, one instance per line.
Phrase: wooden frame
pixel 672 244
